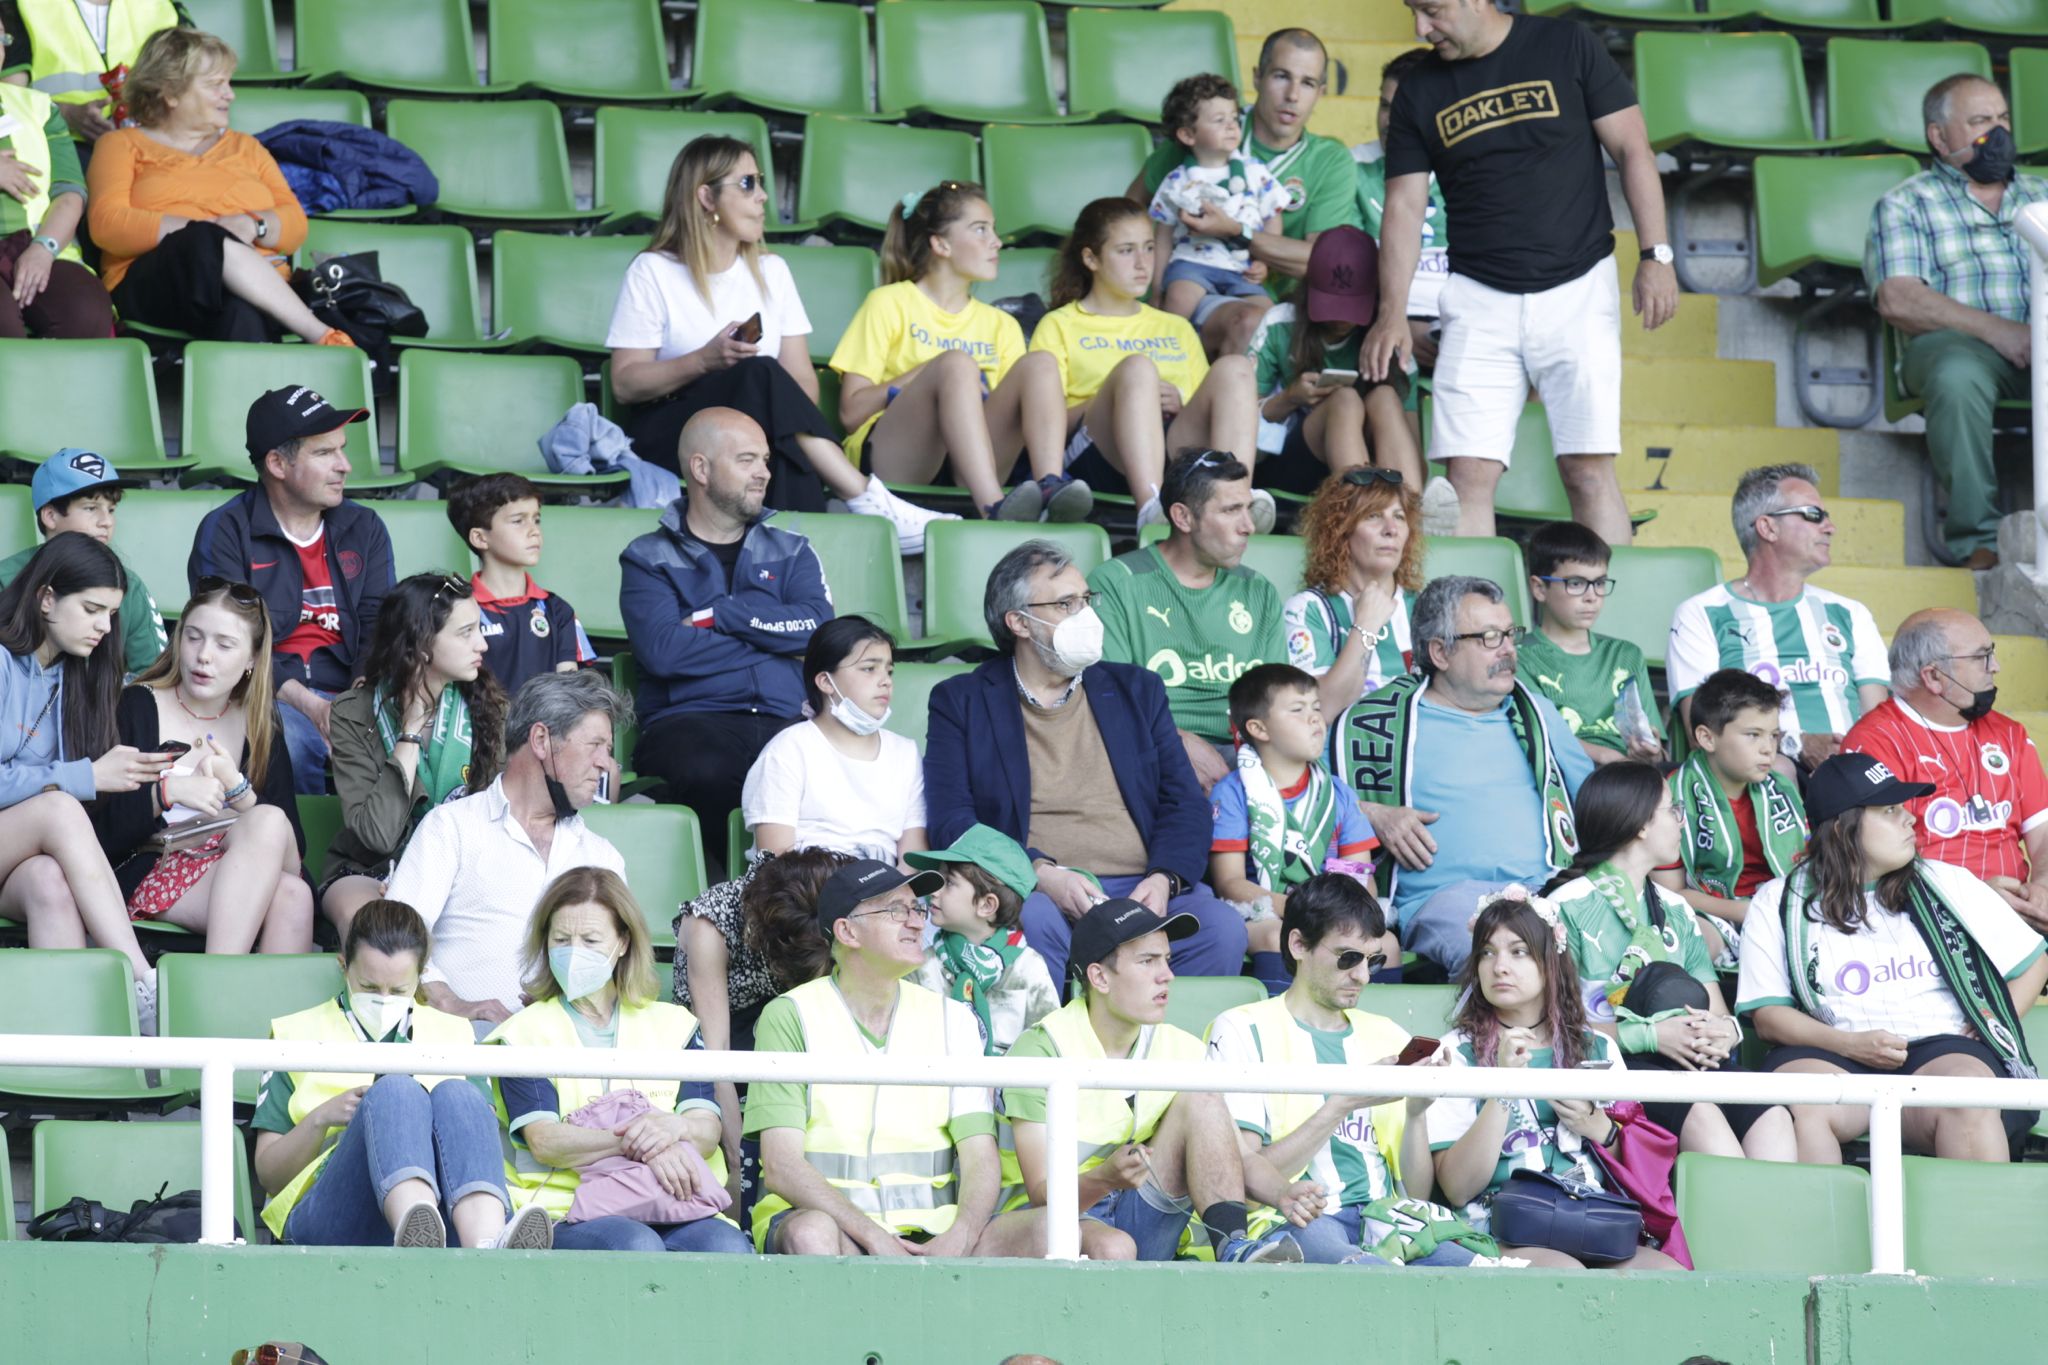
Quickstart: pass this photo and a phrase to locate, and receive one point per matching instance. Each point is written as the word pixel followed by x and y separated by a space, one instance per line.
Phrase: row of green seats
pixel 2004 18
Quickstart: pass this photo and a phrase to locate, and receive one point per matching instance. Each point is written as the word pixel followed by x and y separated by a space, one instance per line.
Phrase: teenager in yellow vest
pixel 390 1159
pixel 880 1170
pixel 69 46
pixel 1149 1161
pixel 44 289
pixel 1351 1174
pixel 590 976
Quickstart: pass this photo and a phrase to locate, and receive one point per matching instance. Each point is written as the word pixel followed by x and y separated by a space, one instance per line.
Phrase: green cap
pixel 991 850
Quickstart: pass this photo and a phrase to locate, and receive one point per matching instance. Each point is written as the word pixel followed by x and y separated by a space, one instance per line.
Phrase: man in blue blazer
pixel 1079 761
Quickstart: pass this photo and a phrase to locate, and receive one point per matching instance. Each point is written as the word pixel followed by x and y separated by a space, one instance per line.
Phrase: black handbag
pixel 344 290
pixel 162 1218
pixel 1538 1209
pixel 1662 986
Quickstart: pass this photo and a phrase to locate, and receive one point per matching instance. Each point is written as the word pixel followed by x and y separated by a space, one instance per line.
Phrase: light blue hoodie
pixel 30 764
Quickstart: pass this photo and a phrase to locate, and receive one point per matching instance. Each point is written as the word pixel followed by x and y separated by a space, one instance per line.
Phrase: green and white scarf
pixel 1713 845
pixel 1416 1228
pixel 1376 752
pixel 1650 935
pixel 1966 969
pixel 973 971
pixel 444 760
pixel 1286 851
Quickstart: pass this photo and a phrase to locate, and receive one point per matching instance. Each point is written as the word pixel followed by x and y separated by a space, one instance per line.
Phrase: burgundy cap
pixel 1343 280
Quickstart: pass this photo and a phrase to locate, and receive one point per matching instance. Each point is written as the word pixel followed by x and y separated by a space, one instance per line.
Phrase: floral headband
pixel 1515 892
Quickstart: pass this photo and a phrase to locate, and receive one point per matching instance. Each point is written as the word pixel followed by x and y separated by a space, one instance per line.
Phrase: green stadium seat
pixel 231 995
pixel 664 852
pixel 153 534
pixel 1280 559
pixel 856 170
pixel 505 160
pixel 250 29
pixel 435 265
pixel 558 291
pixel 833 282
pixel 1820 1216
pixel 593 49
pixel 739 842
pixel 1485 557
pixel 422 539
pixel 1122 63
pixel 958 556
pixel 911 703
pixel 222 378
pixel 636 147
pixel 2025 19
pixel 1651 582
pixel 87 992
pixel 6 1191
pixel 1039 179
pixel 1680 12
pixel 791 56
pixel 265 106
pixel 1874 87
pixel 1020 270
pixel 2029 94
pixel 1816 211
pixel 1830 15
pixel 319 821
pixel 1193 1002
pixel 579 558
pixel 1530 489
pixel 18 529
pixel 1742 92
pixel 120 422
pixel 509 402
pixel 986 62
pixel 426 46
pixel 863 567
pixel 828 402
pixel 1425 1011
pixel 1950 1205
pixel 116 1164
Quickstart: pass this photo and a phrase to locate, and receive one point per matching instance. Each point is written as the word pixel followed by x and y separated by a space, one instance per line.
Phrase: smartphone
pixel 175 747
pixel 1591 1065
pixel 748 331
pixel 1418 1050
pixel 1332 377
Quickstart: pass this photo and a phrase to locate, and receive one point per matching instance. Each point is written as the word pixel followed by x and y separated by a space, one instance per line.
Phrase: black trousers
pixel 761 388
pixel 704 758
pixel 179 285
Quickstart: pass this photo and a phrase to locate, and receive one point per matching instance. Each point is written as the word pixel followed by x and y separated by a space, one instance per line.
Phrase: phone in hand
pixel 177 748
pixel 749 331
pixel 1418 1050
pixel 1593 1064
pixel 1332 378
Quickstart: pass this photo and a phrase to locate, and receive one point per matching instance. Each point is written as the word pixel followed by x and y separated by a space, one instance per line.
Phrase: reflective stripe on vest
pixel 67 62
pixel 31 110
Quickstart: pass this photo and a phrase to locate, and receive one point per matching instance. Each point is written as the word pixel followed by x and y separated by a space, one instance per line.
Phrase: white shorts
pixel 1565 341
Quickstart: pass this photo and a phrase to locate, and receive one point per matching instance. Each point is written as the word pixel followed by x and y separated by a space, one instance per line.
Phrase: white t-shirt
pixel 1883 976
pixel 859 806
pixel 659 308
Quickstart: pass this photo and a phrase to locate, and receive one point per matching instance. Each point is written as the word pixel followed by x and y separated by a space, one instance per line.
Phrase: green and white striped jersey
pixel 1819 647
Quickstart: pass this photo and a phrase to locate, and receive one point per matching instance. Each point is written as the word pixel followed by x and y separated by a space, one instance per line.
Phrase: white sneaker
pixel 1439 508
pixel 1150 512
pixel 420 1226
pixel 528 1230
pixel 1264 513
pixel 909 519
pixel 145 1003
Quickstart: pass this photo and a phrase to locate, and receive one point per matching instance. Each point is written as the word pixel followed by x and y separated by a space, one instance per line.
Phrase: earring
pixel 714 217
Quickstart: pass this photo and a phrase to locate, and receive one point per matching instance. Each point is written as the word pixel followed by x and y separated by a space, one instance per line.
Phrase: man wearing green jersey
pixel 1823 650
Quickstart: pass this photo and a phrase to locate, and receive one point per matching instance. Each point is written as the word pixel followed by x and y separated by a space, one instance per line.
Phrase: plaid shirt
pixel 1933 230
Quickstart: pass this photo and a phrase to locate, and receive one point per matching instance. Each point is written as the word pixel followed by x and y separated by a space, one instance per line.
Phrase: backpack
pixel 164 1218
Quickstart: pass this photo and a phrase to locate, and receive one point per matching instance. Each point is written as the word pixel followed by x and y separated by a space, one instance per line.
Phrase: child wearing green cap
pixel 980 956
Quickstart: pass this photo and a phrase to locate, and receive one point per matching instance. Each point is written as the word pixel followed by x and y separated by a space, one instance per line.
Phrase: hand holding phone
pixel 749 331
pixel 1337 379
pixel 1419 1049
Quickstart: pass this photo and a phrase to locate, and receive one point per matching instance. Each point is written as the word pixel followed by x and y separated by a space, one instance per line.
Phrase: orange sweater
pixel 135 181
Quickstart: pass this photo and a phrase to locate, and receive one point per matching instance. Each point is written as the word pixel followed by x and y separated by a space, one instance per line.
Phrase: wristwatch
pixel 410 738
pixel 50 243
pixel 1660 253
pixel 263 228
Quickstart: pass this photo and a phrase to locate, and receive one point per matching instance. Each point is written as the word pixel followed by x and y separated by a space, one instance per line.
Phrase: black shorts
pixel 1919 1053
pixel 1671 1115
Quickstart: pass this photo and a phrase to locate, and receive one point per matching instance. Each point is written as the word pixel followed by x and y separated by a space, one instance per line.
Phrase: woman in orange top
pixel 196 223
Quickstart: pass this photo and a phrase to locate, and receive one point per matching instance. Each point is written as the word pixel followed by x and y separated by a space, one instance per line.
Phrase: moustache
pixel 1495 670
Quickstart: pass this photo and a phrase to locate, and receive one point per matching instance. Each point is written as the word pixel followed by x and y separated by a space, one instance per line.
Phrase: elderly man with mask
pixel 1077 760
pixel 1467 776
pixel 1988 813
pixel 1948 270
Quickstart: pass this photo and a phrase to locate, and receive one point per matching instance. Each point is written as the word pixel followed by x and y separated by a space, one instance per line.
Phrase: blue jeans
pixel 1148 1215
pixel 1333 1240
pixel 308 750
pixel 1440 928
pixel 615 1233
pixel 1217 950
pixel 1222 285
pixel 446 1136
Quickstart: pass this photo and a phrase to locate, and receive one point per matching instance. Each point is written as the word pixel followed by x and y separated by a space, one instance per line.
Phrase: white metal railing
pixel 2033 226
pixel 218 1059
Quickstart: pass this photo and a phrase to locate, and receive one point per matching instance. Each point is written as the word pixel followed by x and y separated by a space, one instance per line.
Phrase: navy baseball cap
pixel 70 471
pixel 863 879
pixel 1847 781
pixel 293 413
pixel 1112 923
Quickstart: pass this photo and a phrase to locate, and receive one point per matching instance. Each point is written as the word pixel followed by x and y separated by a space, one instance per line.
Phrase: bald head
pixel 1938 658
pixel 718 431
pixel 724 458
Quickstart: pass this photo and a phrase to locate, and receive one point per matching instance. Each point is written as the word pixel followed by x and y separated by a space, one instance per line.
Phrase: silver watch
pixel 1660 253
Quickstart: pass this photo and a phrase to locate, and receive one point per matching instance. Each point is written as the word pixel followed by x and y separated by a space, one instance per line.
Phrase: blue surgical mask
pixel 855 719
pixel 579 971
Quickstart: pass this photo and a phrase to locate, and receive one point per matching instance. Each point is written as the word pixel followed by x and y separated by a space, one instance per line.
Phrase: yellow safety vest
pixel 67 63
pixel 1108 1119
pixel 655 1025
pixel 886 1148
pixel 31 110
pixel 325 1023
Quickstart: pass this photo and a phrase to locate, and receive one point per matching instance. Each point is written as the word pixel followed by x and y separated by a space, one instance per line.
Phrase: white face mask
pixel 578 970
pixel 1076 642
pixel 855 719
pixel 379 1013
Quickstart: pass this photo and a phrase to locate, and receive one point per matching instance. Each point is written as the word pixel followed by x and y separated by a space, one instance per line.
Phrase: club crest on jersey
pixel 1297 193
pixel 537 622
pixel 1832 634
pixel 1240 618
pixel 1992 756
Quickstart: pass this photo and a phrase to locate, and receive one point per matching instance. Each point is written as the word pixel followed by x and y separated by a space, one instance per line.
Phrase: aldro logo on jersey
pixel 1496 108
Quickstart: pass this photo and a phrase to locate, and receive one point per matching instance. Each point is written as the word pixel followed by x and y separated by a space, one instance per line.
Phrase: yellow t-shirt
pixel 1089 345
pixel 899 328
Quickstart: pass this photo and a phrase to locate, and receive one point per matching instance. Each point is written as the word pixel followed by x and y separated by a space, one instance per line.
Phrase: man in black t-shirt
pixel 1511 112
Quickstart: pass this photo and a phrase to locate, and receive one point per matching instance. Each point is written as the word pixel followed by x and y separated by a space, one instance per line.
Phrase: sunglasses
pixel 1807 513
pixel 747 183
pixel 452 585
pixel 1350 959
pixel 1365 476
pixel 241 594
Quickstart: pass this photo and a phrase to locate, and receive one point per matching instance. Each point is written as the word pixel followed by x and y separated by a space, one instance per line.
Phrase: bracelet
pixel 50 243
pixel 237 792
pixel 410 738
pixel 1372 638
pixel 890 395
pixel 1613 1134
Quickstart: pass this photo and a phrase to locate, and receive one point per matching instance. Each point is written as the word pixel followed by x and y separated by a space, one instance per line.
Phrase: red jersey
pixel 319 616
pixel 1989 787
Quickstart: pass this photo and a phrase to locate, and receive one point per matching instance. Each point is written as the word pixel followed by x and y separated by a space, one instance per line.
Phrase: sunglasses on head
pixel 241 594
pixel 1365 476
pixel 452 585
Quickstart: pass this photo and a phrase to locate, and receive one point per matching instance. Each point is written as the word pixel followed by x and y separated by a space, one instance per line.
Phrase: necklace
pixel 178 695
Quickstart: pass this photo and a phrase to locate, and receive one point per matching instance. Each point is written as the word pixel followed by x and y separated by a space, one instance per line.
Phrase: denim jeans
pixel 308 749
pixel 447 1137
pixel 1152 1218
pixel 1440 928
pixel 1333 1240
pixel 1217 949
pixel 615 1233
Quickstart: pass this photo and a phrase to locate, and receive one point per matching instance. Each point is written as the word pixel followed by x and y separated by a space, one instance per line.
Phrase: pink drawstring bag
pixel 1641 1163
pixel 619 1185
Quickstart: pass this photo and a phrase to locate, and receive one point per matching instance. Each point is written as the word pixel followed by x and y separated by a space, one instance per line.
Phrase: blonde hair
pixel 685 229
pixel 170 61
pixel 255 693
pixel 632 974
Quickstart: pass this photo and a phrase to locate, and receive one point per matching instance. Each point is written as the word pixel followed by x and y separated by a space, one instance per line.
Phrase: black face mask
pixel 1993 162
pixel 557 793
pixel 1980 702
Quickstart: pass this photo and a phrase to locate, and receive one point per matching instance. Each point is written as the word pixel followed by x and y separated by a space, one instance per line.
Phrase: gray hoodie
pixel 30 763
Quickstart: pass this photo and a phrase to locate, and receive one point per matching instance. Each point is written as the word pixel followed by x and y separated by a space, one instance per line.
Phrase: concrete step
pixel 2022 667
pixel 1656 456
pixel 1896 592
pixel 1328 19
pixel 1351 119
pixel 1867 531
pixel 1714 392
pixel 1361 60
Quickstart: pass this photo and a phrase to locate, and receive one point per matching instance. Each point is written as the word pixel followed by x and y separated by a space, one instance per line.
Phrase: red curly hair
pixel 1329 521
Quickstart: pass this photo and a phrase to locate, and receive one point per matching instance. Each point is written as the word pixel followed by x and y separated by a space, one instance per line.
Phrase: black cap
pixel 1847 781
pixel 1112 923
pixel 293 413
pixel 863 879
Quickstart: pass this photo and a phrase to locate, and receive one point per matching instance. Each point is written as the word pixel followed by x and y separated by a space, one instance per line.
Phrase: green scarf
pixel 1713 846
pixel 1650 936
pixel 1287 847
pixel 1418 1228
pixel 1965 967
pixel 444 760
pixel 972 971
pixel 1377 754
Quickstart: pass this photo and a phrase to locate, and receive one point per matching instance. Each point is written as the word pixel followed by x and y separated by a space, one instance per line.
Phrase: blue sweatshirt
pixel 28 763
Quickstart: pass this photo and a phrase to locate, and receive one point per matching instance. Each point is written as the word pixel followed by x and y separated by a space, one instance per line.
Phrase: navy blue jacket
pixel 703 647
pixel 240 541
pixel 340 166
pixel 976 766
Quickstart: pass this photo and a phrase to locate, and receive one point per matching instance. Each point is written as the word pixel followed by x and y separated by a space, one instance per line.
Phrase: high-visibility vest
pixel 325 1023
pixel 30 110
pixel 885 1147
pixel 67 63
pixel 1108 1119
pixel 655 1026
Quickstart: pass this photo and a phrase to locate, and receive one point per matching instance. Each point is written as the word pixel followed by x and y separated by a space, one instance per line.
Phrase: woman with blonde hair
pixel 590 977
pixel 208 698
pixel 1349 624
pixel 706 318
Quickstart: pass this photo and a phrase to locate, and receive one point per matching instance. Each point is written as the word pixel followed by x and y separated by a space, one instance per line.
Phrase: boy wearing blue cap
pixel 77 490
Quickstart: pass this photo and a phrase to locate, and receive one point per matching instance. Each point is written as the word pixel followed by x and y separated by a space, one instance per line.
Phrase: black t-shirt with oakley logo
pixel 1510 138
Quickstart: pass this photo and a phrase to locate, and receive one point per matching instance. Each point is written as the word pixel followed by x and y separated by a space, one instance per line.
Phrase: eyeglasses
pixel 1349 959
pixel 1575 586
pixel 1365 476
pixel 1807 512
pixel 241 594
pixel 1986 657
pixel 1068 606
pixel 912 913
pixel 1494 639
pixel 747 183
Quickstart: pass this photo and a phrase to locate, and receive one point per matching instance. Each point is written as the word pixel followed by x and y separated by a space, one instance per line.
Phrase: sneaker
pixel 909 519
pixel 1066 498
pixel 420 1226
pixel 1022 503
pixel 528 1230
pixel 1150 512
pixel 1264 513
pixel 1439 507
pixel 1275 1248
pixel 145 1003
